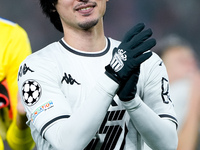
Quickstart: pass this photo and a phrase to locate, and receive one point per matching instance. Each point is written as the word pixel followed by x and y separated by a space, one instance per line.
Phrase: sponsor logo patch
pixel 41 109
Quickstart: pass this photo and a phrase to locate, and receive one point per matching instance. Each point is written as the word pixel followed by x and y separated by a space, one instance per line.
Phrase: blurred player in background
pixel 184 77
pixel 14 48
pixel 87 91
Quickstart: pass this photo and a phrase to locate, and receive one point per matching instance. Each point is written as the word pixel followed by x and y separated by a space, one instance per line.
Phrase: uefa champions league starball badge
pixel 31 92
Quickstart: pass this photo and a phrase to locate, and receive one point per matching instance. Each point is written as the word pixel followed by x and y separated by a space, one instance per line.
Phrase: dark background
pixel 164 17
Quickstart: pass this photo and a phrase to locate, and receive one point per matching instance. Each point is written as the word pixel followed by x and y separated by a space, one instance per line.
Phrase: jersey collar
pixel 67 47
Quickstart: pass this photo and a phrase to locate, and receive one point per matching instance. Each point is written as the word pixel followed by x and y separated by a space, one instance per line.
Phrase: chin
pixel 88 25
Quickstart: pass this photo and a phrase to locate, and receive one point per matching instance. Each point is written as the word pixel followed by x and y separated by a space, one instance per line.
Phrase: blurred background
pixel 172 16
pixel 181 17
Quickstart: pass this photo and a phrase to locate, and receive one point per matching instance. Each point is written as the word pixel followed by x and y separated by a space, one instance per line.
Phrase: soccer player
pixel 88 91
pixel 14 48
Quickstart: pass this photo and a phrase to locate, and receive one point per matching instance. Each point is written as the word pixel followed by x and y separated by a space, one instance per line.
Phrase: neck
pixel 92 40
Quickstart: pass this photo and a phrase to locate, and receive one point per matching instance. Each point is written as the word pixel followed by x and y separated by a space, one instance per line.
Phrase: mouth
pixel 85 8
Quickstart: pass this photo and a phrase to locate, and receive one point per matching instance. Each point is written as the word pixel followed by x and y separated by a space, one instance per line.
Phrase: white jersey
pixel 55 81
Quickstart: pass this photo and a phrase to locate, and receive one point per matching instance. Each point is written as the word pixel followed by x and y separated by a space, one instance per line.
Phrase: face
pixel 81 14
pixel 180 62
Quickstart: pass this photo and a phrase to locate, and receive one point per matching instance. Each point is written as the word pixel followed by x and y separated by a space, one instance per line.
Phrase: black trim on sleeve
pixel 50 122
pixel 86 54
pixel 170 118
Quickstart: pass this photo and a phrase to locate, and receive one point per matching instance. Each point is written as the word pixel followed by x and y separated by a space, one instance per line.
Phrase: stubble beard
pixel 88 25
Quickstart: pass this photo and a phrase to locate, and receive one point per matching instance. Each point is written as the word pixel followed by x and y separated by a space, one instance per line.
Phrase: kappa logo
pixel 68 79
pixel 23 70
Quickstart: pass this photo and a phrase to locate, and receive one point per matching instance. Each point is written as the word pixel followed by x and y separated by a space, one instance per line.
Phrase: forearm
pixel 83 124
pixel 156 132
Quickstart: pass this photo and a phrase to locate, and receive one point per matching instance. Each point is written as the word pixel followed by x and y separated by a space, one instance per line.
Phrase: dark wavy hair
pixel 48 8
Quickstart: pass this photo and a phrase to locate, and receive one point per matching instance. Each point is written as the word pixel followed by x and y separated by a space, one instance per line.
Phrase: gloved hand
pixel 128 89
pixel 130 54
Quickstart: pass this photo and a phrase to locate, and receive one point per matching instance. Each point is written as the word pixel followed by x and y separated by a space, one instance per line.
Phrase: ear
pixel 53 8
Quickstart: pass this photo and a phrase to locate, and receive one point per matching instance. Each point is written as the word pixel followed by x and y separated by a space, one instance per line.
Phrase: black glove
pixel 128 89
pixel 130 53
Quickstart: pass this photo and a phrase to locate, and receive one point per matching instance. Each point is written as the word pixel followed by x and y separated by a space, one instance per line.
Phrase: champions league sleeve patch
pixel 31 92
